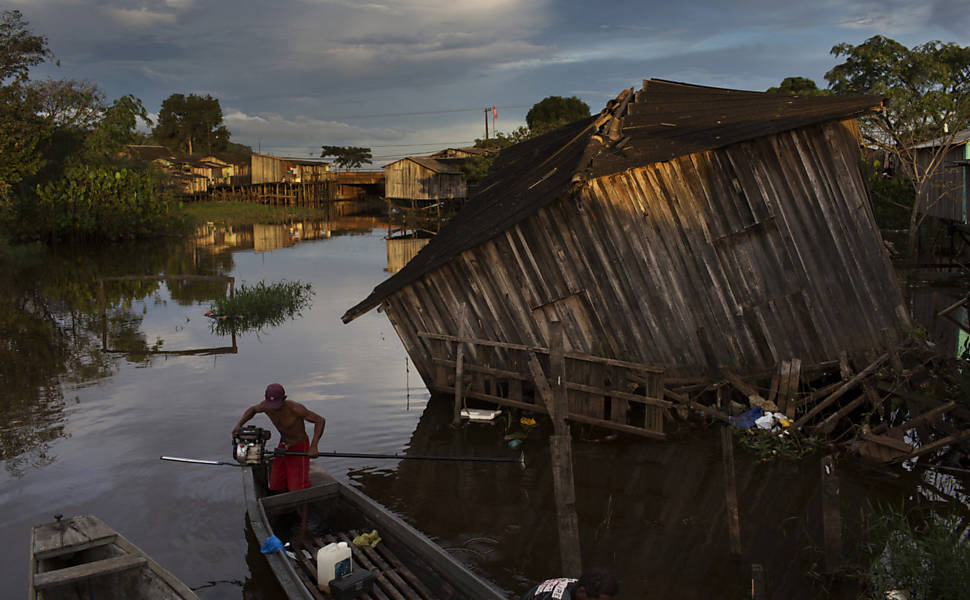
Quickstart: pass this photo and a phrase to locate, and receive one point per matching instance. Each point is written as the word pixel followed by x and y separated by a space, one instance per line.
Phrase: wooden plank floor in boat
pixel 394 580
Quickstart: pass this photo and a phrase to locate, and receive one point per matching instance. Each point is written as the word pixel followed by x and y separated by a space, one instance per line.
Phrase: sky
pixel 412 77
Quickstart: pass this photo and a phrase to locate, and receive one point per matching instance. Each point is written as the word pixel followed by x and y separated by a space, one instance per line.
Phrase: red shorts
pixel 291 473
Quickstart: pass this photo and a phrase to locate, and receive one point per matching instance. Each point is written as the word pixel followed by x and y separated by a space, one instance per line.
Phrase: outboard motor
pixel 249 445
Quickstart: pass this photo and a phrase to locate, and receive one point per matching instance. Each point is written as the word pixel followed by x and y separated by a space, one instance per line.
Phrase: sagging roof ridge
pixel 660 122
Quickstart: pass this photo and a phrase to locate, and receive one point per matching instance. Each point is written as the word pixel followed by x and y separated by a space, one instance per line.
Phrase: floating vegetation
pixel 253 308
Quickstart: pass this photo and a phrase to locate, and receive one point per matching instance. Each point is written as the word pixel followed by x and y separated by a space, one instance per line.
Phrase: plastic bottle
pixel 333 561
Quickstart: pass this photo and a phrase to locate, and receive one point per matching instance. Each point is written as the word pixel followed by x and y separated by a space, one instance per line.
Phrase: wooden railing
pixel 615 394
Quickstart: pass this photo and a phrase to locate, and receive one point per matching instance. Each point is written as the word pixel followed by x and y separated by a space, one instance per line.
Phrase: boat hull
pixel 406 563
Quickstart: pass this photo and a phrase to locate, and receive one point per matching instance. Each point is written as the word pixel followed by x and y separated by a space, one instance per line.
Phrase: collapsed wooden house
pixel 683 232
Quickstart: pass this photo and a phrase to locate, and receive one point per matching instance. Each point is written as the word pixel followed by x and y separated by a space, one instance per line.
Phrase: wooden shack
pixel 275 169
pixel 235 167
pixel 683 232
pixel 944 195
pixel 424 180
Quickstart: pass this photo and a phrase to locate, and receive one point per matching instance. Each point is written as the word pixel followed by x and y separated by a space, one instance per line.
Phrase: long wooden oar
pixel 520 460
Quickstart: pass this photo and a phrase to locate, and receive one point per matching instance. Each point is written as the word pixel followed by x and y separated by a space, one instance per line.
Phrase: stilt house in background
pixel 683 232
pixel 421 180
pixel 945 194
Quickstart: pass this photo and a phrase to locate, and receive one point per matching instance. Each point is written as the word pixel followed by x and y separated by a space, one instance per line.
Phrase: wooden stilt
pixel 459 365
pixel 758 582
pixel 831 515
pixel 731 492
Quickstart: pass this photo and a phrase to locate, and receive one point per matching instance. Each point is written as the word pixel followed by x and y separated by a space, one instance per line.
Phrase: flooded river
pixel 87 406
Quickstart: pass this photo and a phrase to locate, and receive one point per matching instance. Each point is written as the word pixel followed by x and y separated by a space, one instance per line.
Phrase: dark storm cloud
pixel 292 70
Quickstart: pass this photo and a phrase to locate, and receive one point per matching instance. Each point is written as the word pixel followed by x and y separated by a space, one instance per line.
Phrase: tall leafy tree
pixel 19 48
pixel 191 123
pixel 348 157
pixel 555 111
pixel 22 130
pixel 802 86
pixel 927 88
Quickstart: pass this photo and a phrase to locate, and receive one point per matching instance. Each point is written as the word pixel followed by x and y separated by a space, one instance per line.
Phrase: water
pixel 81 431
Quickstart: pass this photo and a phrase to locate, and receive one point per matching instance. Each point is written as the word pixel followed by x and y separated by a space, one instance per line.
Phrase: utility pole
pixel 487 110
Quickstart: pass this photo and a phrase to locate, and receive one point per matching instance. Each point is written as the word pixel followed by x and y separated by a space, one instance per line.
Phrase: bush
pixel 924 553
pixel 95 203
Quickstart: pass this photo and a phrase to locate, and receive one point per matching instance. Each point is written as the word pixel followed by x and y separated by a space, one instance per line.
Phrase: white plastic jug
pixel 333 561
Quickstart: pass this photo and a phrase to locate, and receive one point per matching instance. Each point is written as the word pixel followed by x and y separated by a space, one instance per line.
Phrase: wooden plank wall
pixel 943 195
pixel 737 259
pixel 266 169
pixel 406 179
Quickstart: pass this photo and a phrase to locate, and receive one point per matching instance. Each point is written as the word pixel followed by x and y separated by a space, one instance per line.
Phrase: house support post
pixel 459 364
pixel 570 551
pixel 831 515
pixel 731 492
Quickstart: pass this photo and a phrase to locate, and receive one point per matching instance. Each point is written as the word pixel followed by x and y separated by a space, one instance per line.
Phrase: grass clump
pixel 920 551
pixel 252 308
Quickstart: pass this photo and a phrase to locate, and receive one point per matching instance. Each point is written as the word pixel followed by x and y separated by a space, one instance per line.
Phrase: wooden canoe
pixel 406 563
pixel 82 557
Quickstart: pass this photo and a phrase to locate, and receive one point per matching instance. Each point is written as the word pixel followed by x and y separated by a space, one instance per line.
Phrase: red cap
pixel 275 395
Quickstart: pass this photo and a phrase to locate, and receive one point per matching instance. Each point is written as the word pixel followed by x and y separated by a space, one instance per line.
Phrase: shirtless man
pixel 289 472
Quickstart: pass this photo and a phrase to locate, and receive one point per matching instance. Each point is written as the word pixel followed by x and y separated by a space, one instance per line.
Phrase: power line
pixel 420 144
pixel 427 112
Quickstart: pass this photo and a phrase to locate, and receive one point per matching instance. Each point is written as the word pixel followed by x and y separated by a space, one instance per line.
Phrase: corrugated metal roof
pixel 429 163
pixel 661 122
pixel 959 137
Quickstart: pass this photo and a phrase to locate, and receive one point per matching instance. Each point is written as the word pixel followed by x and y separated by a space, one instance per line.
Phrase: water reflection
pixel 54 331
pixel 652 511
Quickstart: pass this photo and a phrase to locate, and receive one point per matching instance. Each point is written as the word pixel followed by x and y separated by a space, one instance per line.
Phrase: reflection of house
pixel 945 194
pixel 401 250
pixel 632 501
pixel 423 179
pixel 693 228
pixel 275 169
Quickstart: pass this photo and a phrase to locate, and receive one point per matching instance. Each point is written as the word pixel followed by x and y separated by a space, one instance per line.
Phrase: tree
pixel 190 122
pixel 802 86
pixel 553 112
pixel 927 90
pixel 347 157
pixel 504 140
pixel 19 49
pixel 21 129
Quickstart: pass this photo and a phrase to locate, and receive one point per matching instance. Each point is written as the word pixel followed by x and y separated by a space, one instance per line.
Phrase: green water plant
pixel 917 550
pixel 771 446
pixel 258 306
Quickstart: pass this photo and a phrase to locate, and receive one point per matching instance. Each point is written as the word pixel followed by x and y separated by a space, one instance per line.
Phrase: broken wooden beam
pixel 847 386
pixel 927 448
